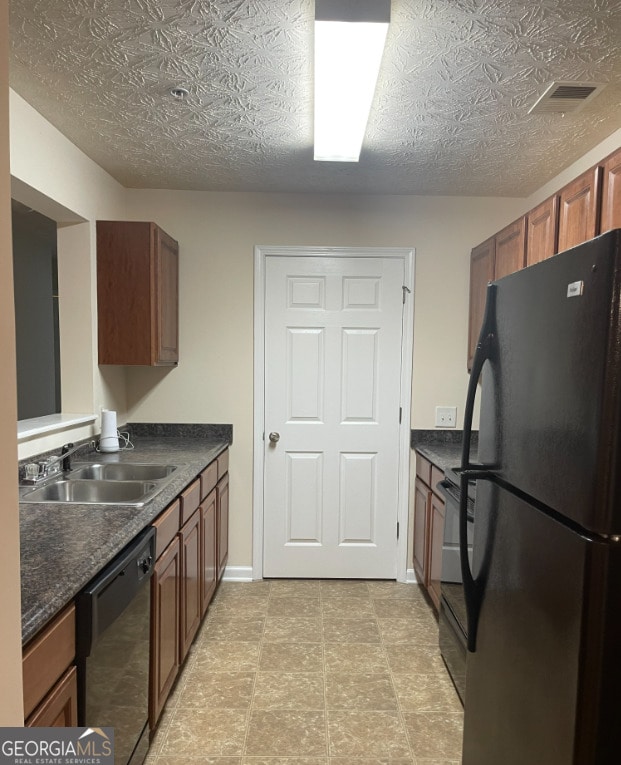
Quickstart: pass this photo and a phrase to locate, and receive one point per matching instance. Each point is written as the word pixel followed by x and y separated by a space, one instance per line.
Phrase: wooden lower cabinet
pixel 191 543
pixel 50 691
pixel 428 528
pixel 191 575
pixel 59 709
pixel 165 627
pixel 436 540
pixel 209 549
pixel 421 524
pixel 222 490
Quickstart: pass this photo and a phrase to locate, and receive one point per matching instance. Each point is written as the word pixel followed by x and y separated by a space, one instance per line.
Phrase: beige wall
pixel 217 233
pixel 54 177
pixel 11 706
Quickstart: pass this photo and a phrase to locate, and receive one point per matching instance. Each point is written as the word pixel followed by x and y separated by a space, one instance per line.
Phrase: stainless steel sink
pixel 93 492
pixel 119 471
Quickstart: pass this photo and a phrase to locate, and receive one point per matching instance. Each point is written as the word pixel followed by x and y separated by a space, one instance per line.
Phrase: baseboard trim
pixel 237 574
pixel 244 574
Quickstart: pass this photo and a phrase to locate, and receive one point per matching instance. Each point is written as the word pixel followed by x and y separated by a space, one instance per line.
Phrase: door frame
pixel 261 253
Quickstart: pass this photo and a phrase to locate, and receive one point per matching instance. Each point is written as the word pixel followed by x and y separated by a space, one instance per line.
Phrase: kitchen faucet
pixel 36 472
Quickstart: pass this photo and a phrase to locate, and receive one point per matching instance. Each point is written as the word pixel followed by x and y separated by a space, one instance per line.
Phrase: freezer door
pixel 542 686
pixel 551 394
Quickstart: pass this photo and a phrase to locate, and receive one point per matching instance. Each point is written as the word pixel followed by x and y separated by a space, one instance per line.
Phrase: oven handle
pixel 484 350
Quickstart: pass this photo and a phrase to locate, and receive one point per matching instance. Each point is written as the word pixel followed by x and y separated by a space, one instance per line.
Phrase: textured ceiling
pixel 450 114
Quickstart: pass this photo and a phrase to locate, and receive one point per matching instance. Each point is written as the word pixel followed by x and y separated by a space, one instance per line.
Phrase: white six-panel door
pixel 333 333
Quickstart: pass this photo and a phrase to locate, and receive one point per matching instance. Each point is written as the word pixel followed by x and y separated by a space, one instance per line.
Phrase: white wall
pixel 217 233
pixel 11 705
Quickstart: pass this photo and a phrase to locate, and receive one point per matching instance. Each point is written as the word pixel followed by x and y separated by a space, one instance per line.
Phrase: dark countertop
pixel 442 448
pixel 64 546
pixel 443 456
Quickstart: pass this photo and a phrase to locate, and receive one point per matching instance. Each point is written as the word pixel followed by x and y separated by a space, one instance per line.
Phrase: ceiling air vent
pixel 566 97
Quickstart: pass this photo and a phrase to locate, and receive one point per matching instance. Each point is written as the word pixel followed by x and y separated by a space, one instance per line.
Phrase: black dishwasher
pixel 112 646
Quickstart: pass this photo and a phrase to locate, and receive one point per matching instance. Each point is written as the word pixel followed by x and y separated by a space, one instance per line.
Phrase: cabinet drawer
pixel 436 476
pixel 47 657
pixel 166 526
pixel 209 479
pixel 190 500
pixel 423 469
pixel 223 464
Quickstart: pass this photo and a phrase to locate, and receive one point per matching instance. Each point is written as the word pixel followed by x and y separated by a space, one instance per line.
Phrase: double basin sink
pixel 111 483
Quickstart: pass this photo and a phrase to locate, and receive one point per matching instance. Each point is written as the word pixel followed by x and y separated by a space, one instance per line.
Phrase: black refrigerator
pixel 543 592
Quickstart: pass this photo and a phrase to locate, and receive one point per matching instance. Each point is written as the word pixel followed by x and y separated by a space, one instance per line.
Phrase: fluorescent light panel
pixel 349 43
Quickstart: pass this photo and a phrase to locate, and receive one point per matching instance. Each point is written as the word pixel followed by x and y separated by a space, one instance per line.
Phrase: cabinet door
pixel 209 549
pixel 166 338
pixel 542 231
pixel 611 193
pixel 436 539
pixel 579 206
pixel 510 249
pixel 190 536
pixel 59 709
pixel 223 523
pixel 481 273
pixel 421 526
pixel 165 635
pixel 47 657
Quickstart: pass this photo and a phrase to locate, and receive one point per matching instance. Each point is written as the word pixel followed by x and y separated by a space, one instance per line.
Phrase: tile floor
pixel 290 672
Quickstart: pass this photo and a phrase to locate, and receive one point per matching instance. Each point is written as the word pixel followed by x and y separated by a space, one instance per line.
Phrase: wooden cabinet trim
pixel 423 468
pixel 209 479
pixel 209 549
pixel 222 523
pixel 166 527
pixel 420 531
pixel 165 628
pixel 190 582
pixel 579 209
pixel 611 192
pixel 437 475
pixel 190 500
pixel 510 249
pixel 60 707
pixel 542 231
pixel 436 539
pixel 482 265
pixel 46 657
pixel 223 464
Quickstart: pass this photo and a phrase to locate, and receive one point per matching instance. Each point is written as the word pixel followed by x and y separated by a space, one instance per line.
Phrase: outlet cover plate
pixel 446 416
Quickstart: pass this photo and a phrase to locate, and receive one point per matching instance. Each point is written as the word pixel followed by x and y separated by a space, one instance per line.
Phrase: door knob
pixel 274 437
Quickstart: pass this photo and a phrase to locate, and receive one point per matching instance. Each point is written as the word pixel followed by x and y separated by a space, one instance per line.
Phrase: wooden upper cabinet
pixel 510 249
pixel 611 193
pixel 579 209
pixel 481 273
pixel 137 294
pixel 542 231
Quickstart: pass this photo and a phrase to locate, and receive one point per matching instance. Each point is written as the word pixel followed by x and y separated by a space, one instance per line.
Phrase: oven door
pixel 453 624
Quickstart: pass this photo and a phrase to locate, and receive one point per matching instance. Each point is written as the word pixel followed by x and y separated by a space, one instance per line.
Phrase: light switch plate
pixel 446 416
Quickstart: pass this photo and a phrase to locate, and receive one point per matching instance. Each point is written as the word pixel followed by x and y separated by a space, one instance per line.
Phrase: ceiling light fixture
pixel 349 43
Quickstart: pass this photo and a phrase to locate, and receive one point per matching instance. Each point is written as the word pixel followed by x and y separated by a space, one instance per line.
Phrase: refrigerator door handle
pixel 484 351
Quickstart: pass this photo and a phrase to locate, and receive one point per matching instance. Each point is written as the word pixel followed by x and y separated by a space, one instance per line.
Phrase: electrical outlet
pixel 446 416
